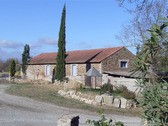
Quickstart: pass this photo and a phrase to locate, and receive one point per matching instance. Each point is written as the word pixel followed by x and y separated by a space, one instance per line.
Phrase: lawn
pixel 48 93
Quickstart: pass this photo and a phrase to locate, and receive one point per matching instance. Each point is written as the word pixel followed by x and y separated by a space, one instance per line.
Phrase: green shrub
pixel 106 88
pixel 103 121
pixel 81 87
pixel 12 69
pixel 124 92
pixel 154 105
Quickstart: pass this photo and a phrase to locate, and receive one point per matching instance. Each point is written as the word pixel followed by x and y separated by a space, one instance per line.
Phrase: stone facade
pixel 97 66
pixel 68 69
pixel 38 72
pixel 81 69
pixel 112 63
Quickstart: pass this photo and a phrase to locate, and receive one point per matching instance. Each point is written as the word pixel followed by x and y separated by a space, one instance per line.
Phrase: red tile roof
pixel 80 56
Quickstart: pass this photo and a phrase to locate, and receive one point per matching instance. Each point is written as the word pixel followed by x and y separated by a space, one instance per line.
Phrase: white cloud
pixel 43 41
pixel 34 45
pixel 108 46
pixel 6 55
pixel 10 44
pixel 11 49
pixel 48 41
pixel 85 45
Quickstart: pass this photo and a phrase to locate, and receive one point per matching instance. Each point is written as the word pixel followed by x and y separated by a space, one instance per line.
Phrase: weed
pixel 103 121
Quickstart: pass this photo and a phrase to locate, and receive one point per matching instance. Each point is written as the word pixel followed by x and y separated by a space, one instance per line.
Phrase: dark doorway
pixel 88 66
pixel 53 76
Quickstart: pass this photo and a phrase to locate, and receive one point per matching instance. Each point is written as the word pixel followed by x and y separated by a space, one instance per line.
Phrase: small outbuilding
pixel 93 78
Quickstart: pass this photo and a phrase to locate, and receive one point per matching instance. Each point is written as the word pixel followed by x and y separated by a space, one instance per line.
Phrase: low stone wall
pixel 69 84
pixel 130 83
pixel 104 99
pixel 80 79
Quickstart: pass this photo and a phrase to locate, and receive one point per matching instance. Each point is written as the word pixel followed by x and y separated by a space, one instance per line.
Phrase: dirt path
pixel 20 111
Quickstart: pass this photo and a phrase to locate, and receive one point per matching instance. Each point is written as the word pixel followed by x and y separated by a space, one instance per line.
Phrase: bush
pixel 106 88
pixel 103 121
pixel 12 69
pixel 124 92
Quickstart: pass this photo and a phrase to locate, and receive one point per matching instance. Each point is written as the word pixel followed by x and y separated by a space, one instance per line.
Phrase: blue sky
pixel 90 24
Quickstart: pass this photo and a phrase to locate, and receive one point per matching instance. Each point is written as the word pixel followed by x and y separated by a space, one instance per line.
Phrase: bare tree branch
pixel 145 14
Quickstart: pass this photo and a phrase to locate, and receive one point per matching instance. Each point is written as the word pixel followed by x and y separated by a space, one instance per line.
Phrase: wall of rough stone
pixel 38 72
pixel 97 66
pixel 104 99
pixel 68 69
pixel 130 83
pixel 112 63
pixel 81 69
pixel 80 79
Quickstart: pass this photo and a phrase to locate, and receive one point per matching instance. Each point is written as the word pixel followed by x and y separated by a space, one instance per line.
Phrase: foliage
pixel 124 92
pixel 154 102
pixel 12 69
pixel 60 60
pixel 6 65
pixel 106 88
pixel 103 121
pixel 1 65
pixel 25 58
pixel 155 105
pixel 82 89
pixel 120 90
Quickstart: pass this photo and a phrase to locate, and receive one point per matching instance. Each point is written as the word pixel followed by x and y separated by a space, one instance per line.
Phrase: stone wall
pixel 97 66
pixel 68 69
pixel 112 63
pixel 68 120
pixel 81 69
pixel 38 72
pixel 130 83
pixel 104 99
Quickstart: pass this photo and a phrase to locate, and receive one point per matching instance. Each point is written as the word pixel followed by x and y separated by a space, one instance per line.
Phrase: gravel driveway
pixel 20 111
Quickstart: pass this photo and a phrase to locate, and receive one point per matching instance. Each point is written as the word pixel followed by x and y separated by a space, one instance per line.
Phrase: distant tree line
pixel 4 66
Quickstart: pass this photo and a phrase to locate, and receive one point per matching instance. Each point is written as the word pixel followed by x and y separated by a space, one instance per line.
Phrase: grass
pixel 49 93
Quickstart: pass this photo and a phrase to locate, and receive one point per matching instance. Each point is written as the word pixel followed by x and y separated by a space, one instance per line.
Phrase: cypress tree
pixel 12 68
pixel 60 59
pixel 25 58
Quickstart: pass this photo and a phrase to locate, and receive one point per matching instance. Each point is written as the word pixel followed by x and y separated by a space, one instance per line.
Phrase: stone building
pixel 114 61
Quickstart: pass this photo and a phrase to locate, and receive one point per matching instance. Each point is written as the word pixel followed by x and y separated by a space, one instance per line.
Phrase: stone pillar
pixel 68 120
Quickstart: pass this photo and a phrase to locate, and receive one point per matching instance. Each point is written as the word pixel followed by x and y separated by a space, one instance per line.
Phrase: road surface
pixel 21 111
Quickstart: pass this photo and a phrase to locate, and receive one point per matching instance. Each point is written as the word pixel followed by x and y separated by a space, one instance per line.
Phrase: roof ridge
pixel 112 52
pixel 97 49
pixel 84 50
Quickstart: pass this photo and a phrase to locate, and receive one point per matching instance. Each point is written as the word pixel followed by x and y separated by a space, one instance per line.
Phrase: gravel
pixel 21 111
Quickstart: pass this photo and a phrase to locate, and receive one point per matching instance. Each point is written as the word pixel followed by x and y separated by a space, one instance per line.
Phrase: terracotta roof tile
pixel 80 56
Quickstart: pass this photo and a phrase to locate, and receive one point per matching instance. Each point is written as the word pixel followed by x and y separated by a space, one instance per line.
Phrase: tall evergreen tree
pixel 12 68
pixel 25 58
pixel 60 60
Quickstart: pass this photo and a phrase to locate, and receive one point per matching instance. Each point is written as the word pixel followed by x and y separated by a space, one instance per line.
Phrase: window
pixel 123 64
pixel 47 70
pixel 74 70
